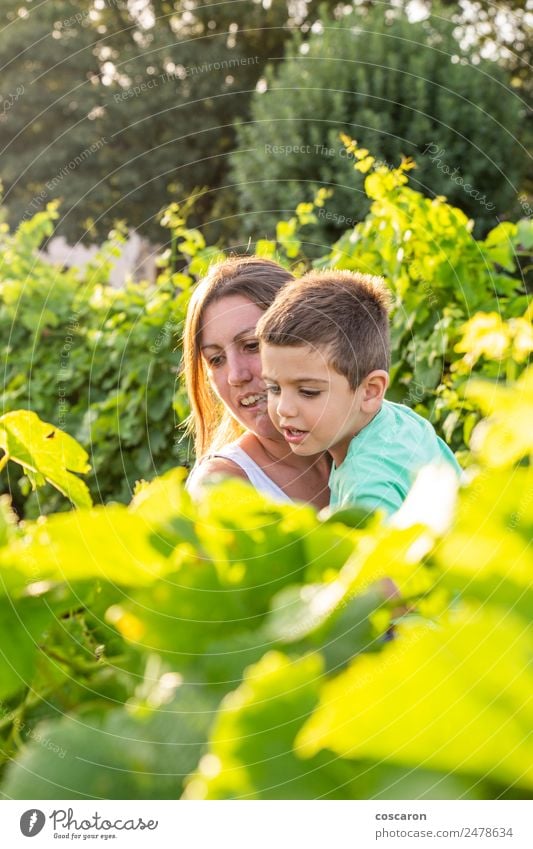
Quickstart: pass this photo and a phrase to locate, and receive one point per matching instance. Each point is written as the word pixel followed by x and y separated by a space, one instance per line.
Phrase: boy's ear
pixel 374 387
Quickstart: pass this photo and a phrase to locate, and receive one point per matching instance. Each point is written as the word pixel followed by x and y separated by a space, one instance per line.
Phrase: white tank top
pixel 255 474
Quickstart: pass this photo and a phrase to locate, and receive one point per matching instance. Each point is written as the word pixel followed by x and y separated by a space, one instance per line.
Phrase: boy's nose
pixel 286 409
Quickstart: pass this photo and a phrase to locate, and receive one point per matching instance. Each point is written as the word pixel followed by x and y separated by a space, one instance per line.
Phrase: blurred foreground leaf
pixel 118 755
pixel 457 698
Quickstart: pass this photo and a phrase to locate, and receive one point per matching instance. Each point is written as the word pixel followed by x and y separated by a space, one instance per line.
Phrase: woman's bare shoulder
pixel 211 467
pixel 221 466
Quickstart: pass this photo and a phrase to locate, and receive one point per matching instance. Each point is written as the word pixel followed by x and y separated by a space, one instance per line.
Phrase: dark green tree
pixel 124 108
pixel 399 88
pixel 183 76
pixel 51 138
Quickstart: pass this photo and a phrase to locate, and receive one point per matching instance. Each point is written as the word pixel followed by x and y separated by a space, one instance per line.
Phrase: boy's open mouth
pixel 293 435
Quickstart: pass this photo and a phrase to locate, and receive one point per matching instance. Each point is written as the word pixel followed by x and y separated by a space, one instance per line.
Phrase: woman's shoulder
pixel 234 461
pixel 211 466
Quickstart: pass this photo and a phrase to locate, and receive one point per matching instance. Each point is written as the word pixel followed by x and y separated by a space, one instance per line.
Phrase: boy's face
pixel 310 403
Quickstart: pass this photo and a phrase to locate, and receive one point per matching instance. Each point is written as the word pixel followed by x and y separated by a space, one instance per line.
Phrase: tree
pixel 51 136
pixel 127 107
pixel 400 88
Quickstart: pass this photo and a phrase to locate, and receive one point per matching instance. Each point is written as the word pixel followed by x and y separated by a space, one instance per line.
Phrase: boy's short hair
pixel 345 312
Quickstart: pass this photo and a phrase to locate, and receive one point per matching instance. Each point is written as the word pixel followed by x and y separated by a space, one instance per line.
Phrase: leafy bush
pixel 102 363
pixel 236 648
pixel 99 362
pixel 446 287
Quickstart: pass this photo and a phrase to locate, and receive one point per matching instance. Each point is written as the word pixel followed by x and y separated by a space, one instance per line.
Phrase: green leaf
pixel 524 234
pixel 253 754
pixel 327 548
pixel 43 449
pixel 506 436
pixel 250 753
pixel 8 521
pixel 121 755
pixel 325 617
pixel 265 248
pixel 498 245
pixel 193 241
pixel 202 261
pixel 394 554
pixel 285 229
pixel 22 626
pixel 454 698
pixel 109 543
pixel 301 610
pixel 487 554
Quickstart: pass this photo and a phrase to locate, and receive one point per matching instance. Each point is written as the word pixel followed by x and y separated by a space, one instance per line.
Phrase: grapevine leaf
pixel 116 756
pixel 453 698
pixel 42 449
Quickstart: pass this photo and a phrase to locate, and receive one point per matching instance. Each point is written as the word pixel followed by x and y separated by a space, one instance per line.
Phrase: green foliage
pixel 396 706
pixel 505 436
pixel 237 648
pixel 393 85
pixel 133 752
pixel 99 363
pixel 216 652
pixel 446 286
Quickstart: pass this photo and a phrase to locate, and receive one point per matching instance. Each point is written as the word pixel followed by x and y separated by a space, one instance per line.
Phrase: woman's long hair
pixel 257 279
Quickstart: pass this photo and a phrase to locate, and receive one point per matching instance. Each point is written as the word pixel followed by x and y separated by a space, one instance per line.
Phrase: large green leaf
pixel 228 564
pixel 183 612
pixel 250 753
pixel 253 753
pixel 487 554
pixel 328 618
pixel 456 698
pixel 44 450
pixel 121 755
pixel 506 436
pixel 108 543
pixel 387 552
pixel 22 628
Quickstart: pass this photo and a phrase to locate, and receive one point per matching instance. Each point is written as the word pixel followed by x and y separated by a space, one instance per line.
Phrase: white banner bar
pixel 269 824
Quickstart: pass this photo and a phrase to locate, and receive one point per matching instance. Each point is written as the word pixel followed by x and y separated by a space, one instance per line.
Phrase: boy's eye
pixel 272 388
pixel 310 393
pixel 252 346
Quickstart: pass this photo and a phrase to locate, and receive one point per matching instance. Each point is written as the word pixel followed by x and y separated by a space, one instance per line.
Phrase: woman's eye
pixel 310 393
pixel 215 361
pixel 252 347
pixel 272 389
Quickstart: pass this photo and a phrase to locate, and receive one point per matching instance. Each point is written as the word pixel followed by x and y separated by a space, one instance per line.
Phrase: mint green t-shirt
pixel 384 458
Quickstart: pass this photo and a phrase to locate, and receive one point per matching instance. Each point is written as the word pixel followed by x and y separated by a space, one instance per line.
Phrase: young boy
pixel 325 352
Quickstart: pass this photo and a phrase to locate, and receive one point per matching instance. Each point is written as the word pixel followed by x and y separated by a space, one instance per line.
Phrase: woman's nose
pixel 238 370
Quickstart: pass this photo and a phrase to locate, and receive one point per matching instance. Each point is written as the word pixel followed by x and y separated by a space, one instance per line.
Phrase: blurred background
pixel 119 107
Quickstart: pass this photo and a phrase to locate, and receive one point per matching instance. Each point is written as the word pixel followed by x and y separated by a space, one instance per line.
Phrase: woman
pixel 233 433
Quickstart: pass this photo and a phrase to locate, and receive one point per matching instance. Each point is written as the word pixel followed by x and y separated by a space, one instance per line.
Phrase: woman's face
pixel 231 354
